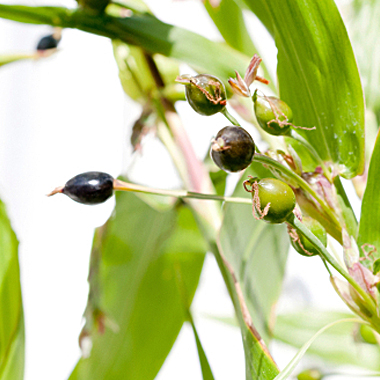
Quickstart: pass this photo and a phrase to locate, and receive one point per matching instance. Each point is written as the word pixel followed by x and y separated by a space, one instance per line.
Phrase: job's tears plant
pixel 312 133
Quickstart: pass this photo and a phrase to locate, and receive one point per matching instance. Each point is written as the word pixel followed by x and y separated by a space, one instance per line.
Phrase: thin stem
pixel 294 222
pixel 301 183
pixel 296 136
pixel 124 186
pixel 229 116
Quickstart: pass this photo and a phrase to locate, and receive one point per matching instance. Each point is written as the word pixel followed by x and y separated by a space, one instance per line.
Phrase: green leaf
pixel 286 372
pixel 257 251
pixel 369 232
pixel 339 345
pixel 363 20
pixel 134 72
pixel 205 365
pixel 143 30
pixel 11 321
pixel 133 289
pixel 228 18
pixel 318 77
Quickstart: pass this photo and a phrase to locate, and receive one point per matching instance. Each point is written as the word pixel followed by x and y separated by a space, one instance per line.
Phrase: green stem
pixel 295 223
pixel 124 186
pixel 300 182
pixel 296 136
pixel 229 116
pixel 340 190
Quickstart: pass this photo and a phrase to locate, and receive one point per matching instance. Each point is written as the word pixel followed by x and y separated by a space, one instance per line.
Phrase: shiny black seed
pixel 89 188
pixel 233 149
pixel 47 42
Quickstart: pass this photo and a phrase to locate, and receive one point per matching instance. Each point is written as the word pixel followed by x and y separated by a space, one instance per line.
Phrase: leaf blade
pixel 139 259
pixel 241 240
pixel 318 77
pixel 11 321
pixel 285 373
pixel 370 212
pixel 339 345
pixel 142 30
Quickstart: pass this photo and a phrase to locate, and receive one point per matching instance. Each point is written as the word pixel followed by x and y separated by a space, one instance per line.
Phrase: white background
pixel 66 115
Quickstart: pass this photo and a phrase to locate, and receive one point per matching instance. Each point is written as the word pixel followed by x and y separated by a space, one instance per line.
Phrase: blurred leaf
pixel 94 5
pixel 257 251
pixel 228 18
pixel 318 77
pixel 286 372
pixel 135 75
pixel 219 179
pixel 143 30
pixel 9 58
pixel 135 259
pixel 338 345
pixel 11 321
pixel 369 232
pixel 363 20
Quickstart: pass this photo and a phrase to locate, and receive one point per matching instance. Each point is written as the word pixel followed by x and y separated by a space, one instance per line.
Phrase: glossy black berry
pixel 303 245
pixel 47 42
pixel 89 188
pixel 272 114
pixel 206 94
pixel 232 149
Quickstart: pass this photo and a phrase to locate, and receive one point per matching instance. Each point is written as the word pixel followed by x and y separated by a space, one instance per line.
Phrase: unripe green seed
pixel 273 115
pixel 280 196
pixel 368 334
pixel 206 94
pixel 310 374
pixel 317 229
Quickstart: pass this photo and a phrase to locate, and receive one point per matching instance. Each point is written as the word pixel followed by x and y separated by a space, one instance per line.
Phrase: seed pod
pixel 273 200
pixel 273 115
pixel 310 374
pixel 232 149
pixel 206 94
pixel 88 188
pixel 47 42
pixel 302 244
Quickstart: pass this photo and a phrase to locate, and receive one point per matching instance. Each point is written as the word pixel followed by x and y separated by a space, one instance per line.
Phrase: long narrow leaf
pixel 286 372
pixel 145 31
pixel 369 232
pixel 11 321
pixel 228 18
pixel 339 345
pixel 318 77
pixel 205 365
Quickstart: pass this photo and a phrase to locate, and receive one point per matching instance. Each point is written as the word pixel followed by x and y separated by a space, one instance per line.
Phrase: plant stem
pixel 296 136
pixel 295 223
pixel 229 116
pixel 124 186
pixel 265 160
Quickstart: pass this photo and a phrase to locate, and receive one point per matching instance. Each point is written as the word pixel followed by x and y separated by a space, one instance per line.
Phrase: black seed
pixel 233 149
pixel 47 42
pixel 89 188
